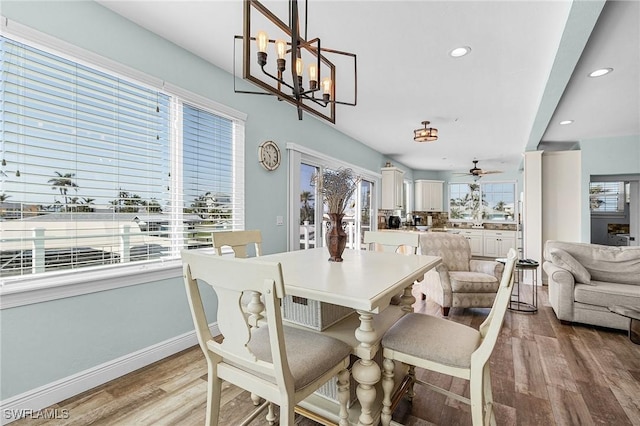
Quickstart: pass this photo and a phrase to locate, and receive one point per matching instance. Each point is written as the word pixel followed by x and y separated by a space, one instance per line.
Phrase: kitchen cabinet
pixel 498 243
pixel 428 197
pixel 392 188
pixel 476 240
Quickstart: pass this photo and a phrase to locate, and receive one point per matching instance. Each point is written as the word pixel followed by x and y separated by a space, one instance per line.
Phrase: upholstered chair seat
pixel 282 364
pixel 446 347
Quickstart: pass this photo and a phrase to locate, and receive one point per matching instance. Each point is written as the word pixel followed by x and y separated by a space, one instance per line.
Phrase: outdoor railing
pixel 51 248
pixel 308 238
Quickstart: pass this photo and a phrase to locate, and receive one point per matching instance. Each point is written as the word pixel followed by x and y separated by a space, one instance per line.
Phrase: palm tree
pixel 127 202
pixel 306 198
pixel 500 206
pixel 62 182
pixel 85 205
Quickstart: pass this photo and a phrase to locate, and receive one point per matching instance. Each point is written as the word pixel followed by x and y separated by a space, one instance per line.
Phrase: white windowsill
pixel 20 292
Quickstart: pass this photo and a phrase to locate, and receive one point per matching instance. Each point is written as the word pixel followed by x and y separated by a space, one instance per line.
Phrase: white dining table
pixel 365 281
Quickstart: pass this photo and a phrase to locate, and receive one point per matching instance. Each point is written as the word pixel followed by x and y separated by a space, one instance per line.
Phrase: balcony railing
pixel 308 238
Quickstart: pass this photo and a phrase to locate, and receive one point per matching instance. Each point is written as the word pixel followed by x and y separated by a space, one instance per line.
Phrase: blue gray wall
pixel 44 342
pixel 606 156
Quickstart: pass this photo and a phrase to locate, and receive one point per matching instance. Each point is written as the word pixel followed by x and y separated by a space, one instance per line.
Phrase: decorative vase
pixel 336 237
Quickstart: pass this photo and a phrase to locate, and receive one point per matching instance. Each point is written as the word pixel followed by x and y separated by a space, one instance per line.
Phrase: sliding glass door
pixel 308 214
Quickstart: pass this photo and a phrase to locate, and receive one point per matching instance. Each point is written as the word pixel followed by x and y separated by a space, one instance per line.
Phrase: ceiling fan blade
pixel 489 172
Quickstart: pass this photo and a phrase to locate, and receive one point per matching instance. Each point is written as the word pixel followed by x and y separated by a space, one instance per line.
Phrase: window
pixel 100 170
pixel 482 202
pixel 607 197
pixel 499 200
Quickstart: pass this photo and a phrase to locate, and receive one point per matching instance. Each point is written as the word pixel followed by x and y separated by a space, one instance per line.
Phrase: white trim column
pixel 532 208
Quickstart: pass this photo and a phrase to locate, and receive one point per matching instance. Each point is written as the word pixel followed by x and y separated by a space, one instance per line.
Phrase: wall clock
pixel 269 155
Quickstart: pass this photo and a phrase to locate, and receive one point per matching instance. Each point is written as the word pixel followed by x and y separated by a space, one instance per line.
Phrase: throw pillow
pixel 564 260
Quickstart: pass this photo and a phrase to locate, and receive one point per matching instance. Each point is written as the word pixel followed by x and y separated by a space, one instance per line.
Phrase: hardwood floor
pixel 543 373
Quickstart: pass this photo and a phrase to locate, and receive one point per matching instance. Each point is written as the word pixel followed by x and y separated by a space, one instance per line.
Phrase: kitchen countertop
pixel 414 229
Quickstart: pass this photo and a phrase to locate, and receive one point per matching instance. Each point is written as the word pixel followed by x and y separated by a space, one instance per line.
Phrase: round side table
pixel 516 304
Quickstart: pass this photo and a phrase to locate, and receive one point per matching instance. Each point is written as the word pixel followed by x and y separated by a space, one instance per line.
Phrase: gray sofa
pixel 585 279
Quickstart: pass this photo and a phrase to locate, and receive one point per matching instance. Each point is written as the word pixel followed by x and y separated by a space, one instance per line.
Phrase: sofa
pixel 585 279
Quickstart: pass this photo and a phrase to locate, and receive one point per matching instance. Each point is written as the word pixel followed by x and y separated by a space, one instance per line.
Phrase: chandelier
pixel 283 75
pixel 425 134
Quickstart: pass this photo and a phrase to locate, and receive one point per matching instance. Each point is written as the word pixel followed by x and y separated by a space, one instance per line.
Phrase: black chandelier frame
pixel 291 91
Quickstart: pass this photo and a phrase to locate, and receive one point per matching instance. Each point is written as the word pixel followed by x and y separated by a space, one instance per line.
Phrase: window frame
pixel 37 288
pixel 298 154
pixel 621 195
pixel 481 195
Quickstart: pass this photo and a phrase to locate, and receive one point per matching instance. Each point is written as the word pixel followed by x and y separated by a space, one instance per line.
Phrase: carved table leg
pixel 365 371
pixel 343 396
pixel 387 387
pixel 407 300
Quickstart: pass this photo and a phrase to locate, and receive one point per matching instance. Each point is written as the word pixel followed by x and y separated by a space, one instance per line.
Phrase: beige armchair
pixel 459 282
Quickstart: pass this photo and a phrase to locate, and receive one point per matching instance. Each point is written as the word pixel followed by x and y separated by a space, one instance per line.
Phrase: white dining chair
pixel 395 242
pixel 279 363
pixel 238 241
pixel 447 347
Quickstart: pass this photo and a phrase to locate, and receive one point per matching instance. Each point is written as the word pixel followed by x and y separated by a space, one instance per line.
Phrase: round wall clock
pixel 269 155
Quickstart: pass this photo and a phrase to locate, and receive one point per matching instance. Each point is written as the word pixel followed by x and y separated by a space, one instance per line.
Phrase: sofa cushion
pixel 606 294
pixel 473 282
pixel 564 260
pixel 604 263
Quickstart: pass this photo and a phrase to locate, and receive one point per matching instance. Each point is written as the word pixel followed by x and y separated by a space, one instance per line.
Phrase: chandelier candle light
pixel 426 134
pixel 286 81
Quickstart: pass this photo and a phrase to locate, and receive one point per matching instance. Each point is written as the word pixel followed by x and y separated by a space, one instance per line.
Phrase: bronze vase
pixel 336 237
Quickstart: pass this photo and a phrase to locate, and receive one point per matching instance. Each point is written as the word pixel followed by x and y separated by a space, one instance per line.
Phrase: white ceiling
pixel 490 105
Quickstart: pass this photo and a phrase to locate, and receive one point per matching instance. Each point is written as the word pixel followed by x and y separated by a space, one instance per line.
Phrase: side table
pixel 634 320
pixel 516 304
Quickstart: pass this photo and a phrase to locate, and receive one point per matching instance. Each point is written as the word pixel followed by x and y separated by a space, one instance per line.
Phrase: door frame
pixel 297 155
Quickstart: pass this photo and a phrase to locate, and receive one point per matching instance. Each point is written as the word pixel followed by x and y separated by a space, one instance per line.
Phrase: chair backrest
pixel 454 249
pixel 238 241
pixel 490 328
pixel 394 242
pixel 230 277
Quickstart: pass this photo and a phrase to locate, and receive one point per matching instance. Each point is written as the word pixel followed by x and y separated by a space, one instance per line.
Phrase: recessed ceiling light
pixel 565 122
pixel 460 51
pixel 600 72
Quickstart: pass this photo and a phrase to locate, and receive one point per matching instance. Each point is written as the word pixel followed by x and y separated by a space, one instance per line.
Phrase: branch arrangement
pixel 336 187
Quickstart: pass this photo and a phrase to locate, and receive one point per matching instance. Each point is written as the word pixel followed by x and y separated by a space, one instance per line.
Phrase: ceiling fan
pixel 477 172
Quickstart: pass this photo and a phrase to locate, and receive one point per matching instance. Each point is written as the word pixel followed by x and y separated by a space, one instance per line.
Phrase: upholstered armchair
pixel 459 282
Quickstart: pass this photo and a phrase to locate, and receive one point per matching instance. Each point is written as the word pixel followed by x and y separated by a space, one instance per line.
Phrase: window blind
pixel 606 197
pixel 208 179
pixel 86 168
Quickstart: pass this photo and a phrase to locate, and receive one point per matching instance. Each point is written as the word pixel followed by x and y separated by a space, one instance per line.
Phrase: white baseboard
pixel 28 403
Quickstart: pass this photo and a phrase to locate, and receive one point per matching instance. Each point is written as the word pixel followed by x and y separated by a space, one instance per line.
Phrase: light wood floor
pixel 543 373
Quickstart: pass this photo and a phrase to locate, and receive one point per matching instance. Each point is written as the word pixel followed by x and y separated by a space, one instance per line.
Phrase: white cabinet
pixel 476 240
pixel 392 188
pixel 428 196
pixel 498 243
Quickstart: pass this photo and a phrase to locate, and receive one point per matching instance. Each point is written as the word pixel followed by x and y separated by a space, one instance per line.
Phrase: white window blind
pixel 606 197
pixel 208 178
pixel 86 168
